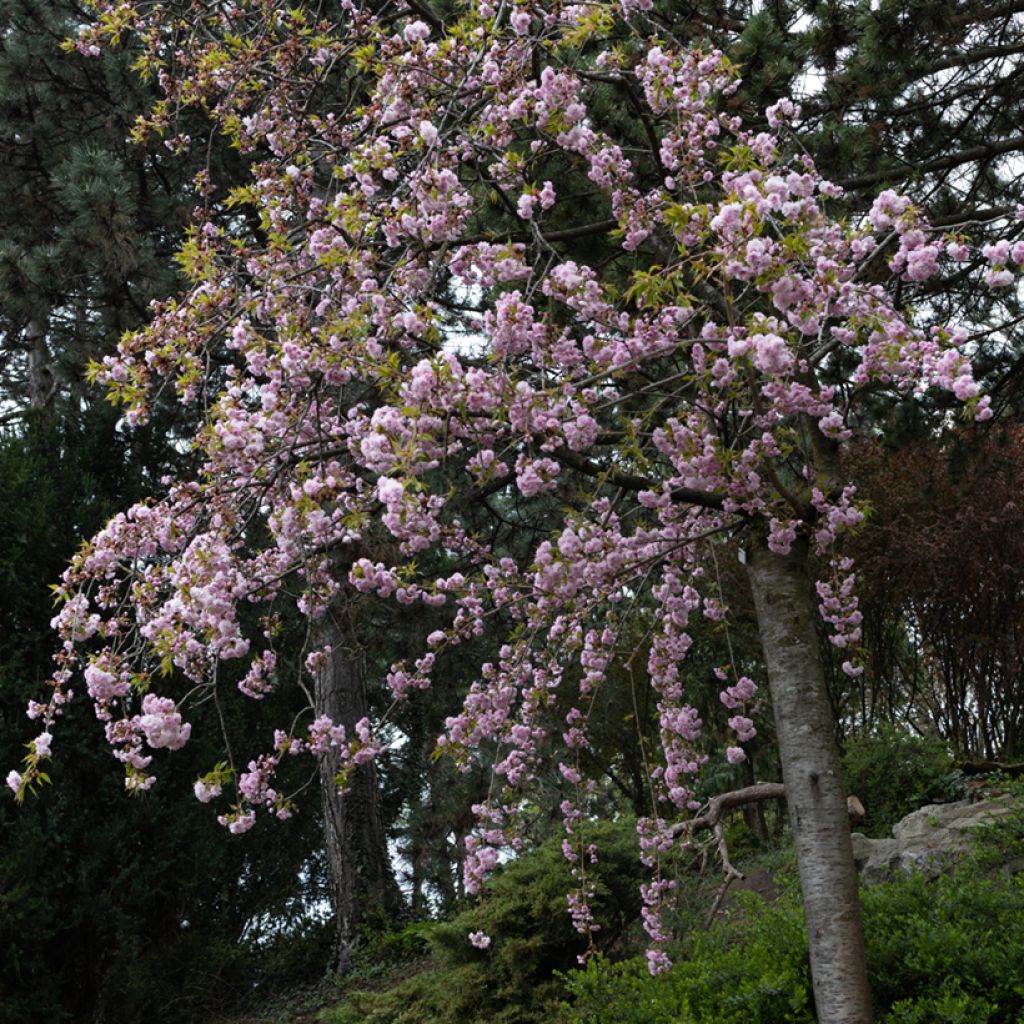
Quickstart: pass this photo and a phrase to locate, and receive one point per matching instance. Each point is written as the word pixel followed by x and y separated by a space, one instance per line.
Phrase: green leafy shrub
pixel 894 773
pixel 951 1006
pixel 949 951
pixel 962 934
pixel 525 915
pixel 752 969
pixel 999 843
pixel 391 948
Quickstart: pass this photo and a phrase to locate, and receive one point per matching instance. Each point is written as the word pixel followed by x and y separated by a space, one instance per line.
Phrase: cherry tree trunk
pixel 786 613
pixel 362 882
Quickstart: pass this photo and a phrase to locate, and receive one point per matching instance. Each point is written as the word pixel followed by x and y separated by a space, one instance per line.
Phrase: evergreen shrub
pixel 524 913
pixel 948 951
pixel 894 773
pixel 751 969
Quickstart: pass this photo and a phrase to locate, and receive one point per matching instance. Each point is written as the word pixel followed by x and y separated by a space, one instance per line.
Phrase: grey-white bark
pixel 817 806
pixel 362 882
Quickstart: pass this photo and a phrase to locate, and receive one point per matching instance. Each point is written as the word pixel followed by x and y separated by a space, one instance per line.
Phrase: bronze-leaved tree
pixel 475 278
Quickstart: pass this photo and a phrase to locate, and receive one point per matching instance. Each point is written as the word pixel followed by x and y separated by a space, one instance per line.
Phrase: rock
pixel 855 810
pixel 927 841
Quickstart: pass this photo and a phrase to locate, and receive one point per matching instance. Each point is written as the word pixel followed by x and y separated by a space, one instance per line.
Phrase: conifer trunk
pixel 814 789
pixel 362 882
pixel 40 372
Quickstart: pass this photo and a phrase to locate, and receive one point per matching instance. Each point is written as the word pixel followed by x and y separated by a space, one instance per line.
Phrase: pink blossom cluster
pixel 384 371
pixel 840 608
pixel 739 697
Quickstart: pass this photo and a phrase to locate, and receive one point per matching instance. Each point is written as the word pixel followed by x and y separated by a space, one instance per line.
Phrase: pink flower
pixel 886 209
pixel 657 962
pixel 206 792
pixel 998 278
pixel 771 354
pixel 428 133
pixel 162 724
pixel 997 253
pixel 520 22
pixel 103 685
pixel 524 207
pixel 416 31
pixel 922 263
pixel 239 823
pixel 743 727
pixel 780 113
pixel 390 491
pixel 480 940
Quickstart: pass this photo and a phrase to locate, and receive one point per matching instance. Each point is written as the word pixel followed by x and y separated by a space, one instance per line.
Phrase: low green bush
pixel 950 1006
pixel 893 773
pixel 525 915
pixel 961 935
pixel 999 844
pixel 752 969
pixel 948 951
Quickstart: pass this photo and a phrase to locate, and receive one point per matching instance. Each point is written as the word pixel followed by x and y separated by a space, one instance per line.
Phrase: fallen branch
pixel 731 873
pixel 718 805
pixel 716 809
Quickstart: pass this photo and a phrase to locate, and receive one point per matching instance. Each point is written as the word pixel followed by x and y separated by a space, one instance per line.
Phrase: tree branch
pixel 717 806
pixel 972 56
pixel 984 767
pixel 634 482
pixel 601 227
pixel 14 414
pixel 943 163
pixel 732 874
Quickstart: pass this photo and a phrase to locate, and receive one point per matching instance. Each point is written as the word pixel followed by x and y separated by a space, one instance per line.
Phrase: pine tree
pixel 91 223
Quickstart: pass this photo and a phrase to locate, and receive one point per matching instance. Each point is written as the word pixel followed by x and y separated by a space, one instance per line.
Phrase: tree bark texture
pixel 362 882
pixel 814 789
pixel 40 372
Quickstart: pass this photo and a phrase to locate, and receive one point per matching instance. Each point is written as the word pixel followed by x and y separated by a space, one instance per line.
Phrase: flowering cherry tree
pixel 459 273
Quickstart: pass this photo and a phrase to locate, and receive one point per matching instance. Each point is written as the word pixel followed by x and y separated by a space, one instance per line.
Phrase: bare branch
pixel 943 163
pixel 731 873
pixel 718 805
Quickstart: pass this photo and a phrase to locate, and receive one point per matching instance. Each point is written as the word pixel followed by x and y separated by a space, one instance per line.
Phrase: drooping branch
pixel 718 806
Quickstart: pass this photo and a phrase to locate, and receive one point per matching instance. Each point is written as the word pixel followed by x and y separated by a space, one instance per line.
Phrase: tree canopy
pixel 526 266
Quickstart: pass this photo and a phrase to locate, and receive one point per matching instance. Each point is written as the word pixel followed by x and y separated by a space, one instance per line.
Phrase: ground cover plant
pixel 946 950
